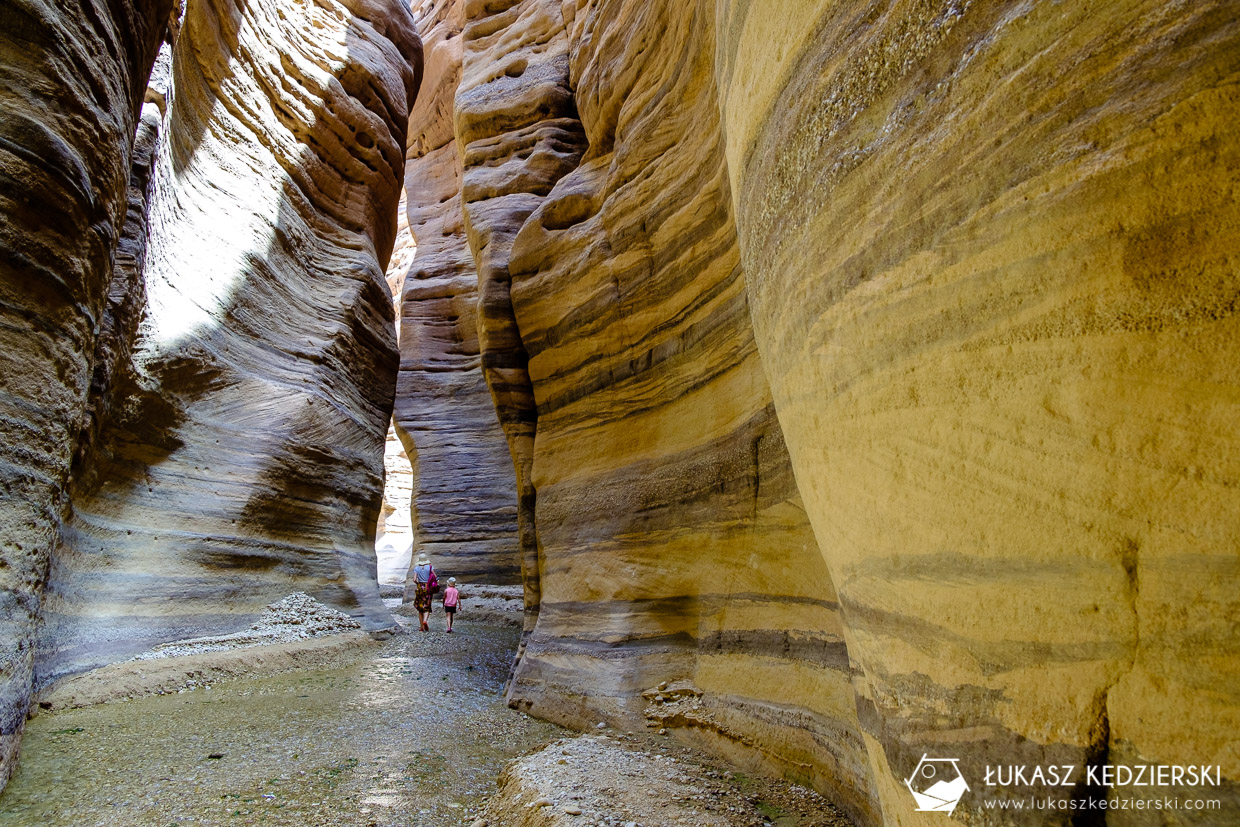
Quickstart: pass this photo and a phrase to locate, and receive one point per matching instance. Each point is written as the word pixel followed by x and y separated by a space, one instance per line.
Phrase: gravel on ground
pixel 297 617
pixel 642 780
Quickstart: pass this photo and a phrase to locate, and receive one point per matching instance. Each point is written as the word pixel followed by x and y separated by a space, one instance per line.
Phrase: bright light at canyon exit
pixel 619 413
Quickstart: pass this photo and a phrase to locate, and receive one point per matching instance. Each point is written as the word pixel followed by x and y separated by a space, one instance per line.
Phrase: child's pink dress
pixel 450 598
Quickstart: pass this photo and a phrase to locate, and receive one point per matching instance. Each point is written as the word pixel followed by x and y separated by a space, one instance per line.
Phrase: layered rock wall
pixel 671 544
pixel 464 499
pixel 71 84
pixel 516 126
pixel 986 251
pixel 991 257
pixel 866 370
pixel 244 460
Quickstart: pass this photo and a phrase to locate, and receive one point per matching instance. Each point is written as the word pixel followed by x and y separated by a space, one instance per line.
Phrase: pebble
pixel 572 811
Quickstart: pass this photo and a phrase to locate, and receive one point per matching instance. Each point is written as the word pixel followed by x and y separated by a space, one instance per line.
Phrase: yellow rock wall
pixel 465 498
pixel 517 130
pixel 991 254
pixel 671 542
pixel 978 259
pixel 867 371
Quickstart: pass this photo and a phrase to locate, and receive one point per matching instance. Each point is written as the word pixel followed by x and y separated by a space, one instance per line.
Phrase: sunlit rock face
pixel 242 456
pixel 671 542
pixel 464 490
pixel 991 252
pixel 70 112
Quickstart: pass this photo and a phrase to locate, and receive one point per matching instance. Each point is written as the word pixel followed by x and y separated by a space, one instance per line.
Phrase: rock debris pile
pixel 296 617
pixel 634 781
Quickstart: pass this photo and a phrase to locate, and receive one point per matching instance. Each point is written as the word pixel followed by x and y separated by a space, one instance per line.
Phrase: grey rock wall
pixel 72 80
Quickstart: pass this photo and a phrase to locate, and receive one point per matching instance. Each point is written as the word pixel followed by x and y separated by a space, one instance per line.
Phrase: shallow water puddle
pixel 415 734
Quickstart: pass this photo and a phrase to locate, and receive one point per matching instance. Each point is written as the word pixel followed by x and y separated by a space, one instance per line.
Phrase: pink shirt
pixel 450 596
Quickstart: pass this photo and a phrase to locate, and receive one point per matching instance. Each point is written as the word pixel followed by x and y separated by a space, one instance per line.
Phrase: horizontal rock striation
pixel 991 256
pixel 516 125
pixel 71 85
pixel 242 459
pixel 671 543
pixel 866 371
pixel 464 501
pixel 987 262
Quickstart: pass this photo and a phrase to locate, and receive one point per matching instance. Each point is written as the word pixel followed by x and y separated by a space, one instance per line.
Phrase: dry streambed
pixel 408 731
pixel 345 730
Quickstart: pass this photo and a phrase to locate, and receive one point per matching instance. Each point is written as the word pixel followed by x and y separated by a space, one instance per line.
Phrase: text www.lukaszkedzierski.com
pixel 1071 804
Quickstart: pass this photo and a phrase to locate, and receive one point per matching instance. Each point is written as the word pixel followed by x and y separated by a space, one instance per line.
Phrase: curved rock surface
pixel 516 124
pixel 988 267
pixel 867 371
pixel 991 254
pixel 667 520
pixel 71 85
pixel 240 455
pixel 464 500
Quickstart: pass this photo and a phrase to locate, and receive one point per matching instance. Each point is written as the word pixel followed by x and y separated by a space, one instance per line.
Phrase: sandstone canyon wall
pixel 71 83
pixel 991 251
pixel 866 371
pixel 194 416
pixel 516 127
pixel 671 544
pixel 245 461
pixel 988 254
pixel 464 499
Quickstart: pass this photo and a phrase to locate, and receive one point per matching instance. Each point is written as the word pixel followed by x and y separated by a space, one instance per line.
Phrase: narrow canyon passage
pixel 835 392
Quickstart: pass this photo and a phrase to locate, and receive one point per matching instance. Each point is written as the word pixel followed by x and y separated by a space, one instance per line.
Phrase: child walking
pixel 451 600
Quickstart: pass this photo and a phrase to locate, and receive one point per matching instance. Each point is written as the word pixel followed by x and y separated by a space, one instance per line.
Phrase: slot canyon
pixel 804 394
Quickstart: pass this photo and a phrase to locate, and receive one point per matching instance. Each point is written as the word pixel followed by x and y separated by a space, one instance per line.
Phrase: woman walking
pixel 425 585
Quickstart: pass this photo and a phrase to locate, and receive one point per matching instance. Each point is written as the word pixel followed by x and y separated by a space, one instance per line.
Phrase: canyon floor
pixel 410 731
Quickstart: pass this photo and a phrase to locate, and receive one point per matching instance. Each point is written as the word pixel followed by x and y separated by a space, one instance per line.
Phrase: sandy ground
pixel 294 633
pixel 297 617
pixel 136 678
pixel 602 779
pixel 411 731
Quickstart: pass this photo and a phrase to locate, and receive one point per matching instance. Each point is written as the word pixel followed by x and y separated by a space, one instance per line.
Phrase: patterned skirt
pixel 422 598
